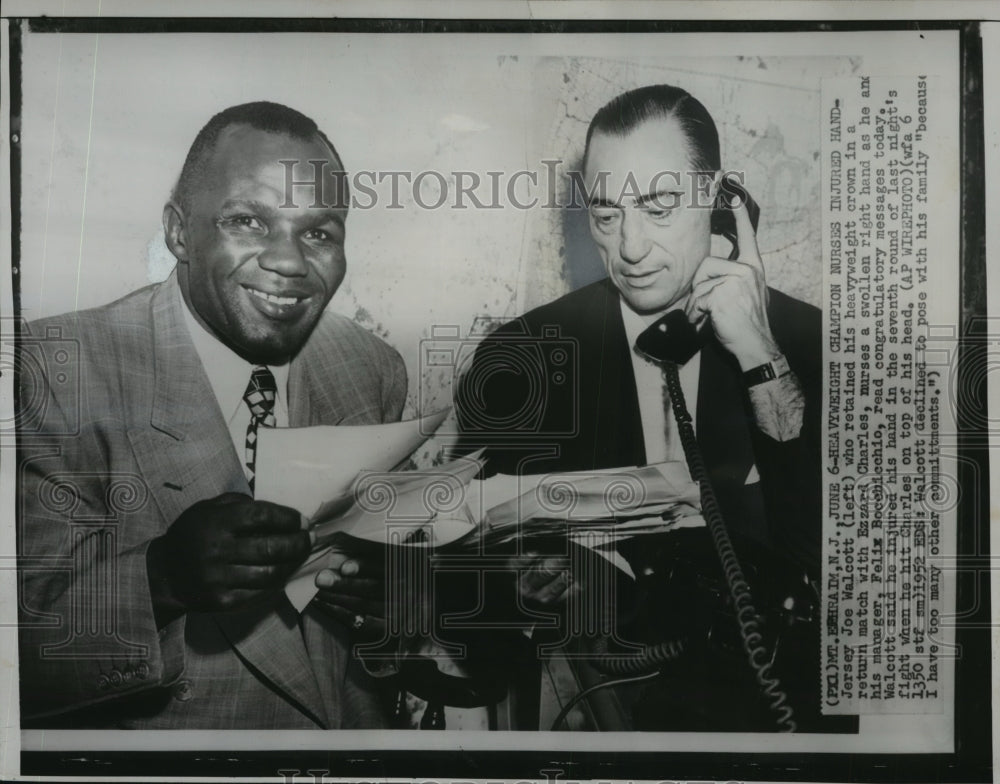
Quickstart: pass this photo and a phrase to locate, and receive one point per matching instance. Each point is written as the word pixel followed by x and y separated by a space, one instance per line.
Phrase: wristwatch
pixel 769 371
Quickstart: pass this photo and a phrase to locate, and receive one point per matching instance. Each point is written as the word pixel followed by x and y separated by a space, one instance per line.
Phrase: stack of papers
pixel 617 503
pixel 341 480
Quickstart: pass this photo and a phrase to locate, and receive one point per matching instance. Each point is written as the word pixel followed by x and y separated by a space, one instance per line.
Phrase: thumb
pixel 350 567
pixel 326 578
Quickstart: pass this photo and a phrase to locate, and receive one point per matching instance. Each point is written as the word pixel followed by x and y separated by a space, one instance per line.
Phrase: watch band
pixel 769 371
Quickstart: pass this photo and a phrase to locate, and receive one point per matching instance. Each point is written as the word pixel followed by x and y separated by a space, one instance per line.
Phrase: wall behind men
pixel 108 119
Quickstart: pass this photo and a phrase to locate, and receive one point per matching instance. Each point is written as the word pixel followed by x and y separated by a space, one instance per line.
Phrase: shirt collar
pixel 228 373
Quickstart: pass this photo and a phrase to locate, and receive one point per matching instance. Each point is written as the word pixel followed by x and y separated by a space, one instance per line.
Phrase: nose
pixel 634 245
pixel 283 255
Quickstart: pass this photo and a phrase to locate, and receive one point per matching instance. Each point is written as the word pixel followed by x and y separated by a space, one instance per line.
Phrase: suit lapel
pixel 186 455
pixel 184 448
pixel 723 435
pixel 332 381
pixel 612 404
pixel 299 405
pixel 312 398
pixel 270 642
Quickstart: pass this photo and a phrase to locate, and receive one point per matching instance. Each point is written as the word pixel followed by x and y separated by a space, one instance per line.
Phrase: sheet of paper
pixel 304 467
pixel 391 508
pixel 407 508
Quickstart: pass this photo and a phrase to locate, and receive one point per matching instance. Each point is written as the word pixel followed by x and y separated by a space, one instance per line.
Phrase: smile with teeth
pixel 274 297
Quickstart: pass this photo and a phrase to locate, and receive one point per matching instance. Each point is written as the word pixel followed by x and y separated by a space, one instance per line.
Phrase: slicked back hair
pixel 623 114
pixel 260 115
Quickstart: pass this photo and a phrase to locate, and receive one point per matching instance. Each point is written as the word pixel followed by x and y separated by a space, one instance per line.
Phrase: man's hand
pixel 543 581
pixel 223 553
pixel 353 589
pixel 733 296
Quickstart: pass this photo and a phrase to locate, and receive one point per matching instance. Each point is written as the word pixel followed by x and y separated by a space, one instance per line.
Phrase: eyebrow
pixel 642 200
pixel 246 204
pixel 316 217
pixel 657 196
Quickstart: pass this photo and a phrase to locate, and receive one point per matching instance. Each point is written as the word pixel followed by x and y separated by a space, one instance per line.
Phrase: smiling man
pixel 258 230
pixel 172 614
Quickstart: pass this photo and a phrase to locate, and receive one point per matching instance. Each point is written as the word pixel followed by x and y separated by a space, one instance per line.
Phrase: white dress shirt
pixel 229 374
pixel 659 428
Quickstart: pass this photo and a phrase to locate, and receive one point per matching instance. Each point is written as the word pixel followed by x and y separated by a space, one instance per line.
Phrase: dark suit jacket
pixel 120 432
pixel 555 391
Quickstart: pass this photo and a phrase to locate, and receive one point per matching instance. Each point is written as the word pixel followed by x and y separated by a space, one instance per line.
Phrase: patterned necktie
pixel 259 398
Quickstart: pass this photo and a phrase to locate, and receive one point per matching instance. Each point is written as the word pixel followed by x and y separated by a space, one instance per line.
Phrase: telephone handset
pixel 723 220
pixel 673 337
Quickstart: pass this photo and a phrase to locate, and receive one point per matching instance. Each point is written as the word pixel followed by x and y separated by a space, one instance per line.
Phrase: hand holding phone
pixel 730 294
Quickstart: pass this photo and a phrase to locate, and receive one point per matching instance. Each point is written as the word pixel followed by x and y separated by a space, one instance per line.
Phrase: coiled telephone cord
pixel 739 589
pixel 645 664
pixel 650 658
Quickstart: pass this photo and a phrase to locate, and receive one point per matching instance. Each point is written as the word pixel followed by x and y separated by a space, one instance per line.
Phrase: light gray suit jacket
pixel 120 432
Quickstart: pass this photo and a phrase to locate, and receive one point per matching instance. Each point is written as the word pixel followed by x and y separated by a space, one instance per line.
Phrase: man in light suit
pixel 151 588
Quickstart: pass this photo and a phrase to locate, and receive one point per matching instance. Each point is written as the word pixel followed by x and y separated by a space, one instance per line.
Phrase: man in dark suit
pixel 563 388
pixel 151 591
pixel 767 488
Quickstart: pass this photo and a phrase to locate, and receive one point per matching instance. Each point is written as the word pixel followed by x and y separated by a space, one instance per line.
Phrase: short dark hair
pixel 622 114
pixel 260 115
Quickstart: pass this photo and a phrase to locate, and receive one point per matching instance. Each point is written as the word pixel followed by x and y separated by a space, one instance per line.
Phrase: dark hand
pixel 733 296
pixel 223 553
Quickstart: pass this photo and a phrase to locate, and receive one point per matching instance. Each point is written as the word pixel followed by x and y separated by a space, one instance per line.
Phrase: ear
pixel 174 230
